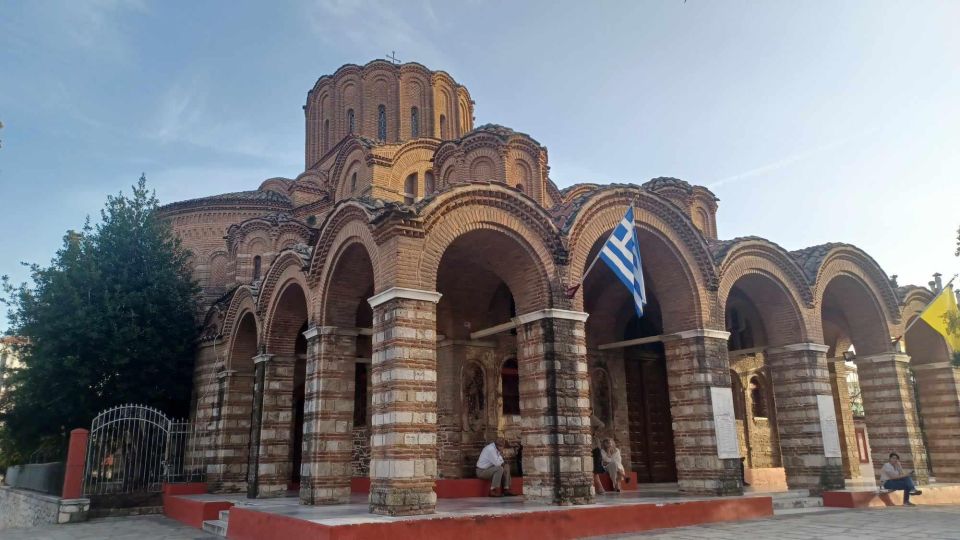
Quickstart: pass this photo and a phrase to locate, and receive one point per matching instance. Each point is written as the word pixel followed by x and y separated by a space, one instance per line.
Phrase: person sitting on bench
pixel 612 463
pixel 893 477
pixel 491 467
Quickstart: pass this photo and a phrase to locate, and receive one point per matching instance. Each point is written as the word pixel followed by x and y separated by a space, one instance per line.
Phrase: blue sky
pixel 812 121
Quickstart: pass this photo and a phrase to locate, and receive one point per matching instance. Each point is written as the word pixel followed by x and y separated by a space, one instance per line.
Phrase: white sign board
pixel 724 423
pixel 828 427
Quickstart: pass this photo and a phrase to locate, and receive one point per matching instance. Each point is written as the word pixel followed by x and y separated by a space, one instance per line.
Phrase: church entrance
pixel 648 404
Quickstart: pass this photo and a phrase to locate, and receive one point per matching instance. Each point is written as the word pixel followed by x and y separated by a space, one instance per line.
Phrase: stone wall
pixel 22 508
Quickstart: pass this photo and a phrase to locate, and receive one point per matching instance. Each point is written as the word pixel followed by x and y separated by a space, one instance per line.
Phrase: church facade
pixel 402 302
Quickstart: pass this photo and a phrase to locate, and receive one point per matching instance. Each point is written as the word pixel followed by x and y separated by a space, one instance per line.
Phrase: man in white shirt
pixel 893 477
pixel 490 466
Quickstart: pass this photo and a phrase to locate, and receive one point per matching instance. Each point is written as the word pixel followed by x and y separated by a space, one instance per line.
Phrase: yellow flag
pixel 936 315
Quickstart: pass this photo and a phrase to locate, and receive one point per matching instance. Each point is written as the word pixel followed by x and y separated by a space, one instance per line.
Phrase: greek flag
pixel 622 255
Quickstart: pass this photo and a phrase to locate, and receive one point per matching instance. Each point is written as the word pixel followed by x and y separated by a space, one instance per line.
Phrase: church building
pixel 372 323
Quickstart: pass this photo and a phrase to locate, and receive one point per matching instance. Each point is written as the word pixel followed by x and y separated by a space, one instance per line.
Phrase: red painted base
pixel 947 494
pixel 627 486
pixel 449 488
pixel 573 522
pixel 188 511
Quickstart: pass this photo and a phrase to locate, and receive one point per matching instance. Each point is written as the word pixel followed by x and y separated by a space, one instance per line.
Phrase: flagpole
pixel 914 321
pixel 571 291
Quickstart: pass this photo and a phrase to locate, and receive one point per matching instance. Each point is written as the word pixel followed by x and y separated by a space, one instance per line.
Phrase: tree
pixel 112 320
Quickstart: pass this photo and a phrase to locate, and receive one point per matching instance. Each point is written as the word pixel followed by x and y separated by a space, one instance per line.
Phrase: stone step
pixel 797 502
pixel 216 526
pixel 225 516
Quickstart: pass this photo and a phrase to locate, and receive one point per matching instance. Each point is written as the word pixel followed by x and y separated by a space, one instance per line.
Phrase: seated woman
pixel 613 463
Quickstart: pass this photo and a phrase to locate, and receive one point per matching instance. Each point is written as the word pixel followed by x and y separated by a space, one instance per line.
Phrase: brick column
pixel 890 415
pixel 403 441
pixel 845 427
pixel 555 406
pixel 256 422
pixel 940 408
pixel 276 421
pixel 233 438
pixel 328 415
pixel 806 417
pixel 698 370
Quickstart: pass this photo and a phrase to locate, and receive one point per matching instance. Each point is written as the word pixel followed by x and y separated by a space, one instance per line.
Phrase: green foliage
pixel 110 321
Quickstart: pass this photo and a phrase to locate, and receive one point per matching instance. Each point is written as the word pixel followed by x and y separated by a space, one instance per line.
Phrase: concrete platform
pixel 481 517
pixel 933 494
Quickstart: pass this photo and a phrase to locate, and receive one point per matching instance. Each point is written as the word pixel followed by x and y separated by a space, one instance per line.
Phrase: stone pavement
pixel 939 522
pixel 117 528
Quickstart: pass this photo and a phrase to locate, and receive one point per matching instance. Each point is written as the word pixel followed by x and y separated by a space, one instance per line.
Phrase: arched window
pixel 443 127
pixel 256 267
pixel 410 189
pixel 429 184
pixel 326 135
pixel 758 403
pixel 382 123
pixel 351 121
pixel 510 386
pixel 414 122
pixel 353 183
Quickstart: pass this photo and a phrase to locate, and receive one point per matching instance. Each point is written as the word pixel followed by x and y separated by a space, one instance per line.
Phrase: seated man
pixel 893 477
pixel 490 466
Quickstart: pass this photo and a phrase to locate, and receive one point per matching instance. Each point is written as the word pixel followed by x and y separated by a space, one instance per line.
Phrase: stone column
pixel 555 406
pixel 844 412
pixel 698 370
pixel 233 444
pixel 276 422
pixel 940 408
pixel 806 417
pixel 256 422
pixel 891 417
pixel 403 441
pixel 328 415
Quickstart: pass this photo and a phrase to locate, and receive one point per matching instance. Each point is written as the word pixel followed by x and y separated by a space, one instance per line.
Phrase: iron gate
pixel 136 449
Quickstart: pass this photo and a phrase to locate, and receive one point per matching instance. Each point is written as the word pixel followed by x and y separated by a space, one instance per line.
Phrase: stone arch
pixel 671 248
pixel 496 213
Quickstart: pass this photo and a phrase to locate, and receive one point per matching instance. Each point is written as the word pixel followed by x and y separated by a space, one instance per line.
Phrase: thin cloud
pixel 787 161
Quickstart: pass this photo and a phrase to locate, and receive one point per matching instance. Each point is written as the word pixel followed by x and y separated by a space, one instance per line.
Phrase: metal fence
pixel 136 449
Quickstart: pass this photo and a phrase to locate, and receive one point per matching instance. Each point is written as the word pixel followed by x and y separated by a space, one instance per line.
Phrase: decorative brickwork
pixel 940 405
pixel 328 415
pixel 555 407
pixel 697 361
pixel 890 413
pixel 403 463
pixel 800 376
pixel 847 431
pixel 273 467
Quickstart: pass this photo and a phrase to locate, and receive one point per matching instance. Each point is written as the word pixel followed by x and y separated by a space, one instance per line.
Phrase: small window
pixel 443 127
pixel 353 183
pixel 256 267
pixel 510 385
pixel 351 121
pixel 758 402
pixel 326 135
pixel 382 123
pixel 410 189
pixel 429 184
pixel 414 122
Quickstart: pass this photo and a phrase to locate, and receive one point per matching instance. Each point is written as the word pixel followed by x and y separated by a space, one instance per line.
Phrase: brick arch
pixel 241 302
pixel 413 157
pixel 286 271
pixel 673 250
pixel 285 314
pixel 241 348
pixel 774 284
pixel 852 290
pixel 347 282
pixel 348 222
pixel 493 208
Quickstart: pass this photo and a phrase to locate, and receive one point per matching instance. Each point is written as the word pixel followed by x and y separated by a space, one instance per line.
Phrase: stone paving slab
pixel 935 522
pixel 118 528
